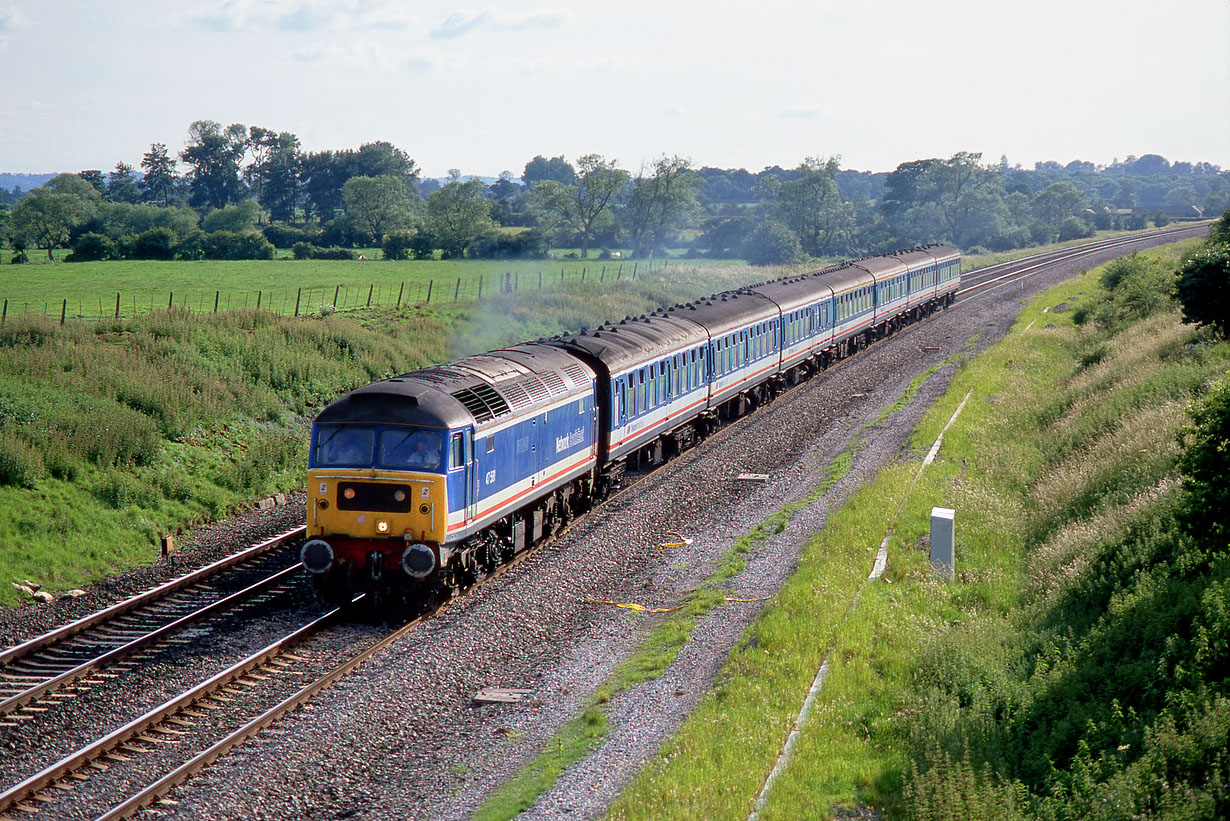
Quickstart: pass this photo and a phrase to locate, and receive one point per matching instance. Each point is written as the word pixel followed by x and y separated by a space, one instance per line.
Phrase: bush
pixel 93 247
pixel 1074 228
pixel 302 250
pixel 191 247
pixel 156 243
pixel 229 245
pixel 530 244
pixel 21 464
pixel 288 236
pixel 237 219
pixel 398 245
pixel 1203 287
pixel 772 243
pixel 333 253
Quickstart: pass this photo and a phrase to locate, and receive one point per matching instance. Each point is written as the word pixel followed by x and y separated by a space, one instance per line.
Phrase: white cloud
pixel 10 16
pixel 301 16
pixel 465 21
pixel 459 23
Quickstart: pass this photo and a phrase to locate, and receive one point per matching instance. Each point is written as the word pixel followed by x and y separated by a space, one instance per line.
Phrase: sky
pixel 485 88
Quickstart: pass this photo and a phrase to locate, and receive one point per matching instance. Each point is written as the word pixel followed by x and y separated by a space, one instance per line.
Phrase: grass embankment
pixel 116 432
pixel 1078 665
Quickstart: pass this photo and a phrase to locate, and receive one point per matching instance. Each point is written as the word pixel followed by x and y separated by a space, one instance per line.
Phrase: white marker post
pixel 943 553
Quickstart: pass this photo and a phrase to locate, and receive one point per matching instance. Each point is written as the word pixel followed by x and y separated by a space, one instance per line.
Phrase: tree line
pixel 239 192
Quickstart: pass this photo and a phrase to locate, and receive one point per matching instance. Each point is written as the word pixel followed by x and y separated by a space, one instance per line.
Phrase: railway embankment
pixel 1079 663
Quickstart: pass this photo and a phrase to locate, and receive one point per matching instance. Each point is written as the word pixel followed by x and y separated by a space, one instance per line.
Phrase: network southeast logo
pixel 563 443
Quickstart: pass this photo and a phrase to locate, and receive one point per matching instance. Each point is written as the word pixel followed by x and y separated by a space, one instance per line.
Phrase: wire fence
pixel 317 300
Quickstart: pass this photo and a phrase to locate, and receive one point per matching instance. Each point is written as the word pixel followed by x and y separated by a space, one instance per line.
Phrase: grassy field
pixel 316 286
pixel 1076 667
pixel 115 432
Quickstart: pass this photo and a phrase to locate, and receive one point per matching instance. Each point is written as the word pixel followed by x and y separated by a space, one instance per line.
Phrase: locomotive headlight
pixel 348 493
pixel 399 495
pixel 383 527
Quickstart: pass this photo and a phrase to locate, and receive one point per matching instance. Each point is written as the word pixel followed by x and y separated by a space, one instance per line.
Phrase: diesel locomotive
pixel 421 483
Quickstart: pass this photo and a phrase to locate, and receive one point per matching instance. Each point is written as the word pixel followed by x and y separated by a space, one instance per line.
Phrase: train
pixel 420 484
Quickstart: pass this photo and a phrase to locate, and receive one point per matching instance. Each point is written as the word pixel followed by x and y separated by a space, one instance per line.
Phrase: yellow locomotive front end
pixel 377 506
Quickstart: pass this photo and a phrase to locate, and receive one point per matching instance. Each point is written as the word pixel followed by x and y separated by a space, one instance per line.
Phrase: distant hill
pixel 23 181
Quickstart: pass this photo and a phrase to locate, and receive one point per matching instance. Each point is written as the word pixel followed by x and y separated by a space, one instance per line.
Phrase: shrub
pixel 1203 287
pixel 772 243
pixel 229 245
pixel 530 244
pixel 21 464
pixel 398 245
pixel 191 247
pixel 288 236
pixel 333 253
pixel 302 250
pixel 237 219
pixel 156 243
pixel 1074 228
pixel 93 247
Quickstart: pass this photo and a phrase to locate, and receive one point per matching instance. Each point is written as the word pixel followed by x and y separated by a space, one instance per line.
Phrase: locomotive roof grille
pixel 482 402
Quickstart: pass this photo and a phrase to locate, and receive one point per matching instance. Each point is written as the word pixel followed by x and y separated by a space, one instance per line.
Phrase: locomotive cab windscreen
pixel 395 448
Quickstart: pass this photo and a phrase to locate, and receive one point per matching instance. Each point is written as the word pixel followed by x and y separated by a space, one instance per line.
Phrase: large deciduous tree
pixel 584 205
pixel 45 218
pixel 812 207
pixel 456 214
pixel 556 168
pixel 660 203
pixel 215 156
pixel 377 205
pixel 274 172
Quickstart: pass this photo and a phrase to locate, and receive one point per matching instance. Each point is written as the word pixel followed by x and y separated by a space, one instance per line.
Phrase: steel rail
pixel 87 668
pixel 141 599
pixel 163 785
pixel 53 773
pixel 1053 258
pixel 1046 257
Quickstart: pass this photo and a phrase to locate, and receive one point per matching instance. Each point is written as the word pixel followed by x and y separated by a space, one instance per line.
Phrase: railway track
pixel 66 661
pixel 984 280
pixel 139 763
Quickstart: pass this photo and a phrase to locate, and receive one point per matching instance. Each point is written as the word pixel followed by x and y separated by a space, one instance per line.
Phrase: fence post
pixel 117 304
pixel 480 287
pixel 298 295
pixel 4 317
pixel 561 274
pixel 401 291
pixel 430 283
pixel 170 300
pixel 370 288
pixel 540 280
pixel 217 295
pixel 583 270
pixel 620 273
pixel 602 278
pixel 516 280
pixel 457 292
pixel 63 311
pixel 634 269
pixel 335 290
pixel 258 300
